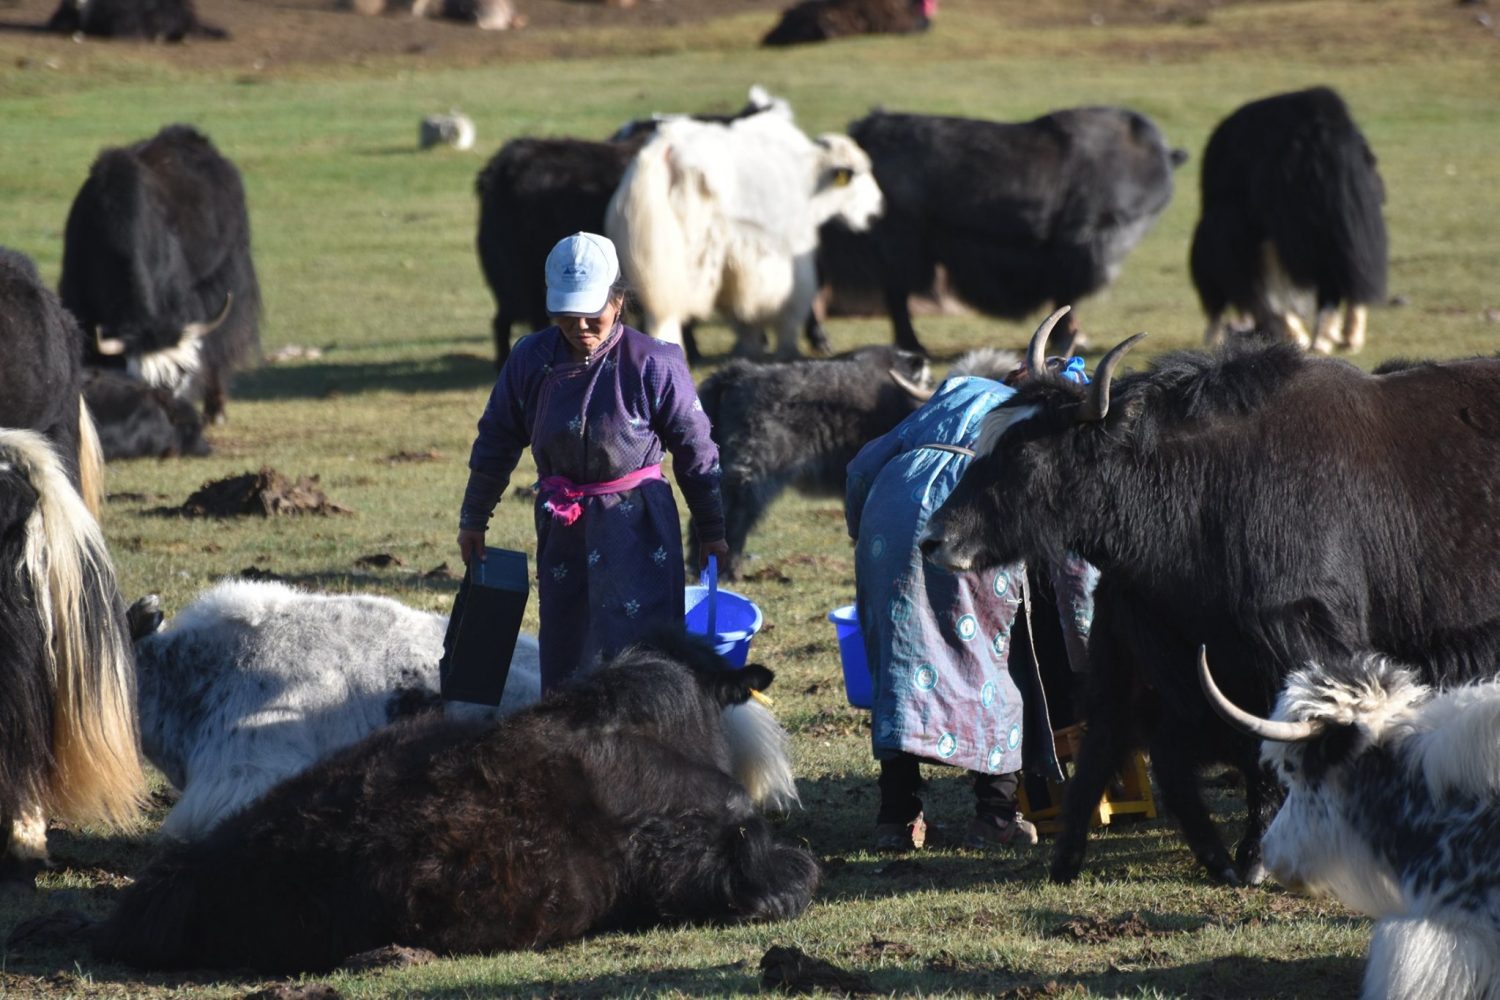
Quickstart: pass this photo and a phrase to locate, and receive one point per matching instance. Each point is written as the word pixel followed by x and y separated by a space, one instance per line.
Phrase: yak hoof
pixel 1227 875
pixel 1065 870
pixel 1255 874
pixel 144 617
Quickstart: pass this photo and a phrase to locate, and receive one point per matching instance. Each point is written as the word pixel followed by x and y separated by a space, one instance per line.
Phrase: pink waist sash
pixel 563 494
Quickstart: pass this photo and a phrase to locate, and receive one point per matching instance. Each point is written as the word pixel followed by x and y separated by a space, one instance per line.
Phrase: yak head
pixel 1016 499
pixel 1328 724
pixel 844 187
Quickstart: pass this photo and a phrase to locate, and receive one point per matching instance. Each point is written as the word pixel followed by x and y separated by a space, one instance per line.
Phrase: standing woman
pixel 600 404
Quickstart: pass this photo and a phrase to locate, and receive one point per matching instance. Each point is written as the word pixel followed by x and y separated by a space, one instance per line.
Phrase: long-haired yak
pixel 68 743
pixel 611 804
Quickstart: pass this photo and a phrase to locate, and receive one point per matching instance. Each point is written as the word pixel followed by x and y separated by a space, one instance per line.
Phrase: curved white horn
pixel 192 330
pixel 1096 403
pixel 1253 725
pixel 1036 353
pixel 912 389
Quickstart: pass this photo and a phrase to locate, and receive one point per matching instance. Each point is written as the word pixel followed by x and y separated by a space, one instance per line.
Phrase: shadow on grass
pixel 322 379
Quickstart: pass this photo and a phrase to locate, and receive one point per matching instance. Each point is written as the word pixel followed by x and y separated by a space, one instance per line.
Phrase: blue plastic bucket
pixel 857 684
pixel 736 620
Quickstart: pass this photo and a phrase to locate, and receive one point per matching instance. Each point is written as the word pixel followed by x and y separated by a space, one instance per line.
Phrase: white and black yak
pixel 1393 808
pixel 256 681
pixel 611 804
pixel 68 745
pixel 157 268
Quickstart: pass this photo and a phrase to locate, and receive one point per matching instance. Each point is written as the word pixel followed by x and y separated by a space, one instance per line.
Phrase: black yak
pixel 136 420
pixel 610 804
pixel 156 20
pixel 67 699
pixel 1276 506
pixel 156 266
pixel 41 374
pixel 820 20
pixel 1291 212
pixel 1019 215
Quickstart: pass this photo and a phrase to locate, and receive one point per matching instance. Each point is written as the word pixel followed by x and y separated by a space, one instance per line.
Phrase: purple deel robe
pixel 616 572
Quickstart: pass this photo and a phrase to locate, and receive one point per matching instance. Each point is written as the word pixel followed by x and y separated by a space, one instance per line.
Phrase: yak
pixel 155 20
pixel 536 191
pixel 138 420
pixel 41 375
pixel 67 705
pixel 820 20
pixel 1291 210
pixel 156 266
pixel 724 217
pixel 610 804
pixel 1277 506
pixel 1019 215
pixel 1391 807
pixel 256 681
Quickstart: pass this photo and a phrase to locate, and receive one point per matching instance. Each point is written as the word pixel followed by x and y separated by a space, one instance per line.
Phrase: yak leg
pixel 500 327
pixel 1178 780
pixel 750 340
pixel 1261 803
pixel 812 330
pixel 1356 318
pixel 25 852
pixel 745 501
pixel 1330 334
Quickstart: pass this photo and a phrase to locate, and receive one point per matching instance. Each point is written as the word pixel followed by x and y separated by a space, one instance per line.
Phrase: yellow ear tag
pixel 761 698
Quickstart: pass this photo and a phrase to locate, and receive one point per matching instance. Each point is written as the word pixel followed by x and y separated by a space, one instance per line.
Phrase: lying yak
pixel 256 681
pixel 1393 807
pixel 610 804
pixel 820 20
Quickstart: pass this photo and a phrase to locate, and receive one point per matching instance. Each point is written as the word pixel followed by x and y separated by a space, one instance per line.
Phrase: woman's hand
pixel 470 545
pixel 706 549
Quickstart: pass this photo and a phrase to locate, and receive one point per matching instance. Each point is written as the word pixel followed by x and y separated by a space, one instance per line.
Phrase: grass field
pixel 364 248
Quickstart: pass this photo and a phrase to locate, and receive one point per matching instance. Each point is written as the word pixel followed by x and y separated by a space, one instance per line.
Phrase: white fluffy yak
pixel 255 681
pixel 724 217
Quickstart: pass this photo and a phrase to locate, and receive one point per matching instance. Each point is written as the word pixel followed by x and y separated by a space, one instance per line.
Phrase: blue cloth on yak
pixel 938 643
pixel 605 580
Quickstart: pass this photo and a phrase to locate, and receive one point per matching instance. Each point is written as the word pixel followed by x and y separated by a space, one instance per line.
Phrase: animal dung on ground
pixel 791 970
pixel 379 560
pixel 454 129
pixel 265 493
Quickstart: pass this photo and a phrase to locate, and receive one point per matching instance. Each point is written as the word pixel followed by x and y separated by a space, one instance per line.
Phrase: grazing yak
pixel 1392 807
pixel 724 217
pixel 41 375
pixel 535 191
pixel 137 420
pixel 610 804
pixel 67 701
pixel 256 681
pixel 157 20
pixel 802 422
pixel 1018 215
pixel 1291 217
pixel 156 266
pixel 820 20
pixel 1279 507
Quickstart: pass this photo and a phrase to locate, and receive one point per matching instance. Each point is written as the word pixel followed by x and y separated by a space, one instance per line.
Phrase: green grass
pixel 364 248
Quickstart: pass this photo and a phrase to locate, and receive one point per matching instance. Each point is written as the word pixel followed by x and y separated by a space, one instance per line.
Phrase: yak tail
pixel 1358 221
pixel 96 767
pixel 90 462
pixel 646 220
pixel 758 747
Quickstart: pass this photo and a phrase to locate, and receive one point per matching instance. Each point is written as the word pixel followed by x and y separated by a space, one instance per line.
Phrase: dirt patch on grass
pixel 264 493
pixel 1092 929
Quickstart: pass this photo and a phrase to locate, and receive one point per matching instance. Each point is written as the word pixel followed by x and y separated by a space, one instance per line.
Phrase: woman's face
pixel 584 334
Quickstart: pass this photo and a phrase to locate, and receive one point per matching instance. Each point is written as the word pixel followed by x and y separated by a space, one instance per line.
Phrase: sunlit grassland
pixel 365 251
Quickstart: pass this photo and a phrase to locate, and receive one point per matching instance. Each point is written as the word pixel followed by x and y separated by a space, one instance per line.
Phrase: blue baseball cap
pixel 581 269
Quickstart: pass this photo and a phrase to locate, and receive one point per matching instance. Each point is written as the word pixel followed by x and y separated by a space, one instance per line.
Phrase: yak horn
pixel 1253 725
pixel 193 330
pixel 912 389
pixel 1036 354
pixel 109 347
pixel 1096 403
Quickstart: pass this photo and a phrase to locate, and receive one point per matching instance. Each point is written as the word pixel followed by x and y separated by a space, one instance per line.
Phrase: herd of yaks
pixel 1282 509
